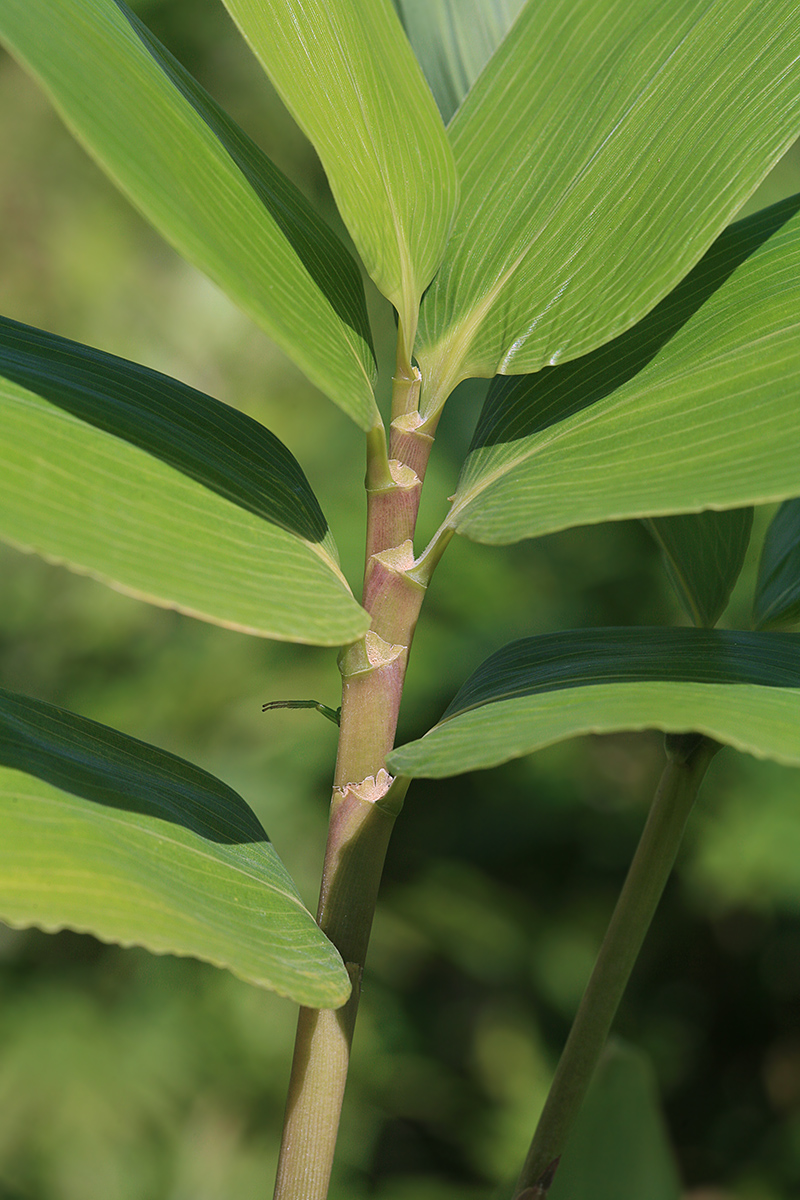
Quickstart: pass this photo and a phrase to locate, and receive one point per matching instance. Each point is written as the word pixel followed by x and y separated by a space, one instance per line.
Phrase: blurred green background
pixel 129 1077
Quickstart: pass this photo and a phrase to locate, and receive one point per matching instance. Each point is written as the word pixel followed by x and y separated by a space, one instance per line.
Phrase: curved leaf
pixel 600 152
pixel 742 689
pixel 347 74
pixel 454 40
pixel 169 495
pixel 777 599
pixel 695 407
pixel 108 835
pixel 203 183
pixel 703 556
pixel 619 1148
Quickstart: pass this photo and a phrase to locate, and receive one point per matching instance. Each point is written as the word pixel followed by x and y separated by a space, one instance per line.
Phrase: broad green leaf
pixel 347 74
pixel 603 148
pixel 703 556
pixel 693 408
pixel 619 1149
pixel 777 599
pixel 743 689
pixel 454 40
pixel 164 493
pixel 108 835
pixel 203 184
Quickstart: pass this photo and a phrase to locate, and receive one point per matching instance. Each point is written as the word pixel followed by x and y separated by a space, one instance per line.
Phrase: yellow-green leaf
pixel 108 835
pixel 603 148
pixel 203 183
pixel 695 407
pixel 165 493
pixel 347 74
pixel 743 689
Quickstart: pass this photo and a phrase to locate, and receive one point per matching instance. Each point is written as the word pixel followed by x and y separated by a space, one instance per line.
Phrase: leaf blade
pixel 777 598
pixel 106 834
pixel 348 76
pixel 454 40
pixel 703 554
pixel 203 184
pixel 110 467
pixel 619 1149
pixel 742 689
pixel 601 184
pixel 693 408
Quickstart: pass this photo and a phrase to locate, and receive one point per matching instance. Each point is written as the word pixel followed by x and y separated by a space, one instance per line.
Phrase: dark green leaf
pixel 777 599
pixel 703 555
pixel 105 834
pixel 203 184
pixel 743 689
pixel 150 485
pixel 619 1149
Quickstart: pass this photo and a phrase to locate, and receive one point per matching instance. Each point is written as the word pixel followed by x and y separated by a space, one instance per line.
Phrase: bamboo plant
pixel 543 192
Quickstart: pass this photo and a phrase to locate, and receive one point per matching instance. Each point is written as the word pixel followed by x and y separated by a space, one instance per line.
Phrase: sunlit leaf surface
pixel 105 834
pixel 742 689
pixel 600 153
pixel 203 184
pixel 695 407
pixel 169 495
pixel 347 74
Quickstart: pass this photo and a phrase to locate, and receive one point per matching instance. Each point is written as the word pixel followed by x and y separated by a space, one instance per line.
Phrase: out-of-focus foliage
pixel 129 1077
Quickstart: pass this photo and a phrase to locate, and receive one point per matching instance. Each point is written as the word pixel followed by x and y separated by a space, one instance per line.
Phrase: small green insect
pixel 333 714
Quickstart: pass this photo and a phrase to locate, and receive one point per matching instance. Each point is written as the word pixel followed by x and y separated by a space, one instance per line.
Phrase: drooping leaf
pixel 703 556
pixel 743 689
pixel 108 835
pixel 203 183
pixel 619 1149
pixel 777 599
pixel 454 40
pixel 601 151
pixel 695 407
pixel 169 495
pixel 347 74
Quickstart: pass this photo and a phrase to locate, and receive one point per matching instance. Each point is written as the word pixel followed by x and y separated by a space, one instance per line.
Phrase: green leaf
pixel 743 689
pixel 703 556
pixel 108 835
pixel 603 148
pixel 454 40
pixel 777 598
pixel 619 1149
pixel 203 184
pixel 347 74
pixel 161 491
pixel 695 407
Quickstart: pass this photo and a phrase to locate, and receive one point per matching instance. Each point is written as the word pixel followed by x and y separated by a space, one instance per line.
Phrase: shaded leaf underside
pixel 777 599
pixel 703 555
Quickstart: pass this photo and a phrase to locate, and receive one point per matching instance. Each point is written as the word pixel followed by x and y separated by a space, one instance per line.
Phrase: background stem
pixel 651 866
